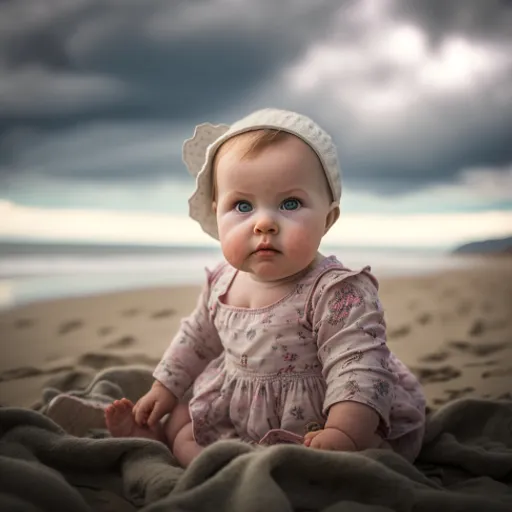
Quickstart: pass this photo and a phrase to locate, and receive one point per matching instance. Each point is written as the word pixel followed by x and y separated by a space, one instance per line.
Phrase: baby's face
pixel 272 209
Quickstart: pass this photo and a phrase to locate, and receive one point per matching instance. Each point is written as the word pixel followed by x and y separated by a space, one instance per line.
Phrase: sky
pixel 97 97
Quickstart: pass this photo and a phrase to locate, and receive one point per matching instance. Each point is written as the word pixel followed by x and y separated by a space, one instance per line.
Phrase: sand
pixel 454 330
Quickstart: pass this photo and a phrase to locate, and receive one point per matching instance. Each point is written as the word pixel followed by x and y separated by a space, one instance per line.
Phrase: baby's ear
pixel 332 217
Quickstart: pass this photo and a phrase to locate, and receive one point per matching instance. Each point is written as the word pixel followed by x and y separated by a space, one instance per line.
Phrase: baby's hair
pixel 249 144
pixel 253 142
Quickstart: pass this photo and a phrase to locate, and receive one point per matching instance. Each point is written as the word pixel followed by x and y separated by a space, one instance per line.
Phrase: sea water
pixel 35 272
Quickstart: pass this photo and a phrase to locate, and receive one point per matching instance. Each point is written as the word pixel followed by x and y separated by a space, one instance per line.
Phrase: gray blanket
pixel 465 465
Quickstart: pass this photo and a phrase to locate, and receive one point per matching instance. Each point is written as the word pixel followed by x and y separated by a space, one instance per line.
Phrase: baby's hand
pixel 154 405
pixel 329 439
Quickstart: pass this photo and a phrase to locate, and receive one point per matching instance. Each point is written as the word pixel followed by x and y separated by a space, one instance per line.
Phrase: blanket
pixel 465 465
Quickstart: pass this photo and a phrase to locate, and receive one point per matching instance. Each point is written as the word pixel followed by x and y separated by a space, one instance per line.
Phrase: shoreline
pixel 452 328
pixel 34 278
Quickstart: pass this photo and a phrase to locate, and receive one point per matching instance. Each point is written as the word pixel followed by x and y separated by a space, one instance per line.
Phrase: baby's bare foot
pixel 121 423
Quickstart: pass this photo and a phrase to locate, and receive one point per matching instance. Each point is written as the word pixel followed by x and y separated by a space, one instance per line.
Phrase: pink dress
pixel 278 369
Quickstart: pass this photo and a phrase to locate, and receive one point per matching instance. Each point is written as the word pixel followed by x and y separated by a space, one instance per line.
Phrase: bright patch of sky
pixel 416 96
pixel 368 230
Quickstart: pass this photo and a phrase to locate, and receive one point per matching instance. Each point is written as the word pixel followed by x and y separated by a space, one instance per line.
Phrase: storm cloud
pixel 414 93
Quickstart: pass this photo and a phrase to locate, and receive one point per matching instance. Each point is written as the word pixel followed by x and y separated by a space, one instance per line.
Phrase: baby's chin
pixel 266 267
pixel 270 272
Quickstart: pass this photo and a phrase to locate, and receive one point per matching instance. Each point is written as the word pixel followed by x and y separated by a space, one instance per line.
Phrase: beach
pixel 452 328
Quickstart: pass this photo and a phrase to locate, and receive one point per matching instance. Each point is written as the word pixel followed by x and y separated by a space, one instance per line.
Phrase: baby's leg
pixel 176 431
pixel 185 448
pixel 180 436
pixel 175 422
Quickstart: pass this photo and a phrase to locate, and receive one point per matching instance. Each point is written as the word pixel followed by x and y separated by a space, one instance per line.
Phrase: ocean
pixel 32 272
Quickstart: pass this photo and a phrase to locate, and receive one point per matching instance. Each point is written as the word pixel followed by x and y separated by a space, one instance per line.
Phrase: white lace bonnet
pixel 199 151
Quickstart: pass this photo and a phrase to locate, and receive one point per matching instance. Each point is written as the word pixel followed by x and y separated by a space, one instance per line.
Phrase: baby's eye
pixel 243 207
pixel 291 204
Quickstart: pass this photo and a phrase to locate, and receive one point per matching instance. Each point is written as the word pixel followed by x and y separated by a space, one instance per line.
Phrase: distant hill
pixel 495 246
pixel 13 248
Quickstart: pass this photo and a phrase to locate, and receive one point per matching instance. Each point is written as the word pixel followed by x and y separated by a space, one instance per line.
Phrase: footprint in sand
pixel 130 312
pixel 413 305
pixel 100 361
pixel 70 326
pixel 498 372
pixel 73 379
pixel 440 401
pixel 478 327
pixel 435 357
pixel 479 364
pixel 464 308
pixel 163 313
pixel 424 318
pixel 478 350
pixel 504 396
pixel 399 332
pixel 442 374
pixel 453 394
pixel 30 371
pixel 103 331
pixel 125 341
pixel 23 323
pixel 19 373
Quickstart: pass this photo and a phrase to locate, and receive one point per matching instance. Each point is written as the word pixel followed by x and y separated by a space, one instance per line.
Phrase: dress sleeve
pixel 350 329
pixel 195 344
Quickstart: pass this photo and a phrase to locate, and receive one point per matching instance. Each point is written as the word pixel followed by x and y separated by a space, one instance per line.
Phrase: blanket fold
pixel 465 465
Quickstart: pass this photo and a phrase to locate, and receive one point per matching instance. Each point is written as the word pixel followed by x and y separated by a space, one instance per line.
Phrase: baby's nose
pixel 265 224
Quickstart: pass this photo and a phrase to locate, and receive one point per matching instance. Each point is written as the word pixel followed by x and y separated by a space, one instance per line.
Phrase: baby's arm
pixel 195 344
pixel 353 424
pixel 351 338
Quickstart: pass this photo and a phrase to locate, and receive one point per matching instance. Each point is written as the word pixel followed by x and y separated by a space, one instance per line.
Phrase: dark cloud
pixel 488 20
pixel 411 157
pixel 71 68
pixel 174 66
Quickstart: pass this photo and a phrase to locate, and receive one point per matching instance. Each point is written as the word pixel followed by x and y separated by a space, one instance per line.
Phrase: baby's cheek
pixel 233 254
pixel 301 239
pixel 234 248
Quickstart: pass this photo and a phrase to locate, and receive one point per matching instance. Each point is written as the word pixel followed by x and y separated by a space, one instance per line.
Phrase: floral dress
pixel 275 371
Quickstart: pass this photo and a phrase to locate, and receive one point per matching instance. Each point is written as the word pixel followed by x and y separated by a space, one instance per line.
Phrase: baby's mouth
pixel 265 249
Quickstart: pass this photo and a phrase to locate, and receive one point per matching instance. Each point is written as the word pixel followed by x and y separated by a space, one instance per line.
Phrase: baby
pixel 285 345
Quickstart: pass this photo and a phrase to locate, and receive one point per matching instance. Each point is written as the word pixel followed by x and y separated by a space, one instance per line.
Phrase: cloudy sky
pixel 97 96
